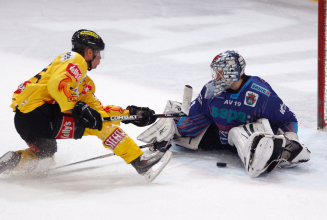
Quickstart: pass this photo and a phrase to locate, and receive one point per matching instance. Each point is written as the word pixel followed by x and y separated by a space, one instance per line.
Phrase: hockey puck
pixel 221 164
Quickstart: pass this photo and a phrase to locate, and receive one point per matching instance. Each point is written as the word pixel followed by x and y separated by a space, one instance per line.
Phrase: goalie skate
pixel 151 165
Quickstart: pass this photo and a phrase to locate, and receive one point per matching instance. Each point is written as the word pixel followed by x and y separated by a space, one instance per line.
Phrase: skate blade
pixel 151 174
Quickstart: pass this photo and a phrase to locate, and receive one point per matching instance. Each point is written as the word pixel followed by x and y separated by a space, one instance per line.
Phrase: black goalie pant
pixel 211 140
pixel 41 127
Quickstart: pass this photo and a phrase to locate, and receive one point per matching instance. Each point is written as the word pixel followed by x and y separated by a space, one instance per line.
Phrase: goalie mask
pixel 227 68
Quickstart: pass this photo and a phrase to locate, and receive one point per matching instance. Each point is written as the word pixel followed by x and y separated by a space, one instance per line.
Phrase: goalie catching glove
pixel 148 117
pixel 89 116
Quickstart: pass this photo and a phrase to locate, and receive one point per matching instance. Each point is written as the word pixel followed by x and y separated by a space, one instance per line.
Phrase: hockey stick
pixel 95 158
pixel 186 105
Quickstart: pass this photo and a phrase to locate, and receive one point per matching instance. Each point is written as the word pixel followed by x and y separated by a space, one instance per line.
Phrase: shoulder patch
pixel 251 98
pixel 86 88
pixel 74 71
pixel 260 89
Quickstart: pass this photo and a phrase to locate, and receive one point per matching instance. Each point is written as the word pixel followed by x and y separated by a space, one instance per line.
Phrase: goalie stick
pixel 186 105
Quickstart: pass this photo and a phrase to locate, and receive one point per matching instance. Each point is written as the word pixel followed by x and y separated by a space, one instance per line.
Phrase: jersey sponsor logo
pixel 199 100
pixel 65 86
pixel 282 108
pixel 234 96
pixel 228 114
pixel 251 98
pixel 89 33
pixel 113 140
pixel 67 56
pixel 231 102
pixel 120 118
pixel 86 88
pixel 67 128
pixel 260 89
pixel 21 87
pixel 74 71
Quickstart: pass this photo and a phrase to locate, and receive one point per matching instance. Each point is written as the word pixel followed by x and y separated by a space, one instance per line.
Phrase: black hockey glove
pixel 89 116
pixel 147 116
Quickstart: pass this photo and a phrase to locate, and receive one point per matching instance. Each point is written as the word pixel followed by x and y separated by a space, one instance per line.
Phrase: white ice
pixel 153 49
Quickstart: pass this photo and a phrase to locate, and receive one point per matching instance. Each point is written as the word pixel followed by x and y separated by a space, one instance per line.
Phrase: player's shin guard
pixel 27 160
pixel 30 162
pixel 22 160
pixel 116 139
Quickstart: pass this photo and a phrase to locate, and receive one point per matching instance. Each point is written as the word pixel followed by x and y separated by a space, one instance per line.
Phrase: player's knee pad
pixel 163 131
pixel 68 128
pixel 43 148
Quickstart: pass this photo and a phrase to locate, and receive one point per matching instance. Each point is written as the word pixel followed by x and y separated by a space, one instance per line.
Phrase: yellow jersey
pixel 63 82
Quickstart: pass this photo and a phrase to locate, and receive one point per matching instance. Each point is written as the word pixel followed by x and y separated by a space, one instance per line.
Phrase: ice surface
pixel 153 49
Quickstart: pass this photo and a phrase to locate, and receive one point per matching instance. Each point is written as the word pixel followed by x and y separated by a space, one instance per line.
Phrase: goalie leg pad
pixel 191 143
pixel 242 133
pixel 164 130
pixel 262 153
pixel 239 136
pixel 294 154
pixel 257 146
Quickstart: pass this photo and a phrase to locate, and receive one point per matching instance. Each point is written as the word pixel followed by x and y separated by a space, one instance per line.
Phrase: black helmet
pixel 86 38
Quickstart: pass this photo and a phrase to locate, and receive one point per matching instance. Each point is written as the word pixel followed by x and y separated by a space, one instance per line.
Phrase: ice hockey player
pixel 240 113
pixel 59 103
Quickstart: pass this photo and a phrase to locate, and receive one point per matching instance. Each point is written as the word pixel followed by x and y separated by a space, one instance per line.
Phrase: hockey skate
pixel 9 161
pixel 151 165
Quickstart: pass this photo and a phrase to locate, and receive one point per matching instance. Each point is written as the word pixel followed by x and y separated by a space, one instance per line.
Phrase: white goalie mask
pixel 226 68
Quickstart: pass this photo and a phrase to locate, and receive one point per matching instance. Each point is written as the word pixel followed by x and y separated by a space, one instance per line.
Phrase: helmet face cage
pixel 226 68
